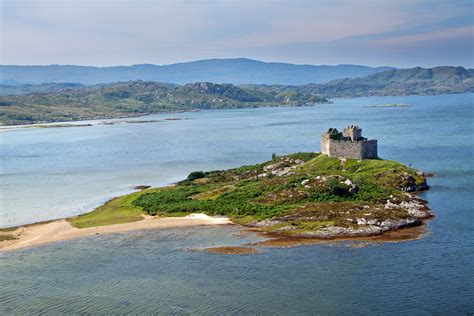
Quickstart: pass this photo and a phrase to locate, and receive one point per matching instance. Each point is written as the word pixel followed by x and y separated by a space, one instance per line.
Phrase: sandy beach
pixel 42 233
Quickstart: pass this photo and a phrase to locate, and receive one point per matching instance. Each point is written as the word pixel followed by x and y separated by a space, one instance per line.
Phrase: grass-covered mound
pixel 303 194
pixel 116 211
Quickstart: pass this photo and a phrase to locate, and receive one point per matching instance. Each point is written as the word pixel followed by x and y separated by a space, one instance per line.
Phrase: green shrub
pixel 196 175
pixel 334 186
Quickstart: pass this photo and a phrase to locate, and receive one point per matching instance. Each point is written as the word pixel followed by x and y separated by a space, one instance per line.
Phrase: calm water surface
pixel 51 173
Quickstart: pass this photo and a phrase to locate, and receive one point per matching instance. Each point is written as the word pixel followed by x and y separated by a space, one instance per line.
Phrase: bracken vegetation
pixel 259 190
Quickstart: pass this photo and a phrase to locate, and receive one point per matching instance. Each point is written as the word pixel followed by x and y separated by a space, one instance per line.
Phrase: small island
pixel 340 193
pixel 389 105
pixel 344 192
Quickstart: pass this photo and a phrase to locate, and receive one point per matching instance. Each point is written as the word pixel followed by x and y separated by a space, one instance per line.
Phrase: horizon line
pixel 230 58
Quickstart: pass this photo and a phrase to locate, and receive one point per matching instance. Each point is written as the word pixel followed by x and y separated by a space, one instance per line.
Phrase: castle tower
pixel 353 132
pixel 348 144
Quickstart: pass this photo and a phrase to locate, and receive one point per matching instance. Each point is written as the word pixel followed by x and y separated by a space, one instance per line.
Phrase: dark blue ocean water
pixel 154 271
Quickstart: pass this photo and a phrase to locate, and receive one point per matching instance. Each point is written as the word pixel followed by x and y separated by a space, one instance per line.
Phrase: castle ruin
pixel 348 144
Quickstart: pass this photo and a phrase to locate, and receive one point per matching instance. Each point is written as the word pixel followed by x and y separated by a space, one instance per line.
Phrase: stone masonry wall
pixel 325 144
pixel 365 149
pixel 369 149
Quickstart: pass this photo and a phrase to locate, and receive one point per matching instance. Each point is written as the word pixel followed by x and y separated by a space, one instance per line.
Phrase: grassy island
pixel 302 194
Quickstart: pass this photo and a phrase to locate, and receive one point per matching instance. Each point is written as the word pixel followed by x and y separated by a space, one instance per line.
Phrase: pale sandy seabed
pixel 42 233
pixel 58 230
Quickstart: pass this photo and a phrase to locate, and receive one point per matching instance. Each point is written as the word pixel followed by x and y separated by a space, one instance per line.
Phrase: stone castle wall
pixel 369 149
pixel 362 149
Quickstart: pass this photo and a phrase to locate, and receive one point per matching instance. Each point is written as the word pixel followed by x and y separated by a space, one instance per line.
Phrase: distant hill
pixel 68 102
pixel 412 81
pixel 136 98
pixel 38 88
pixel 234 71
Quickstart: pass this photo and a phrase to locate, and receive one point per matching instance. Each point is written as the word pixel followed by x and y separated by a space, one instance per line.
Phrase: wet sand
pixel 42 233
pixel 233 250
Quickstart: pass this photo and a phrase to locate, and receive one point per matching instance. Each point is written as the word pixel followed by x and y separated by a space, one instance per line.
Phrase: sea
pixel 49 173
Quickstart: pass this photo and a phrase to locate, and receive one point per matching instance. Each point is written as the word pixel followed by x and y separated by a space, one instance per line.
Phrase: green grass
pixel 384 172
pixel 243 220
pixel 310 226
pixel 116 211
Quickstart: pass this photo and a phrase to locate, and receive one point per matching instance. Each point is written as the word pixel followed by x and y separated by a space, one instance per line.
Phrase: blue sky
pixel 402 33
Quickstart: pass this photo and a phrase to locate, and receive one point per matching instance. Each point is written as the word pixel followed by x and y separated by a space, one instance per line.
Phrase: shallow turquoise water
pixel 152 271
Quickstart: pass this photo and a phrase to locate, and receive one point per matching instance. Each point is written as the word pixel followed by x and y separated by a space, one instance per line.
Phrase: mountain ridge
pixel 230 70
pixel 410 81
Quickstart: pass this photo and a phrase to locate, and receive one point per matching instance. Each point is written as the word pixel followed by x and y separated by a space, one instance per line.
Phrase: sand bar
pixel 43 233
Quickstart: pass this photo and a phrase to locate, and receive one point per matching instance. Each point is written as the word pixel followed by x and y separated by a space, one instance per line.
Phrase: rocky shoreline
pixel 416 207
